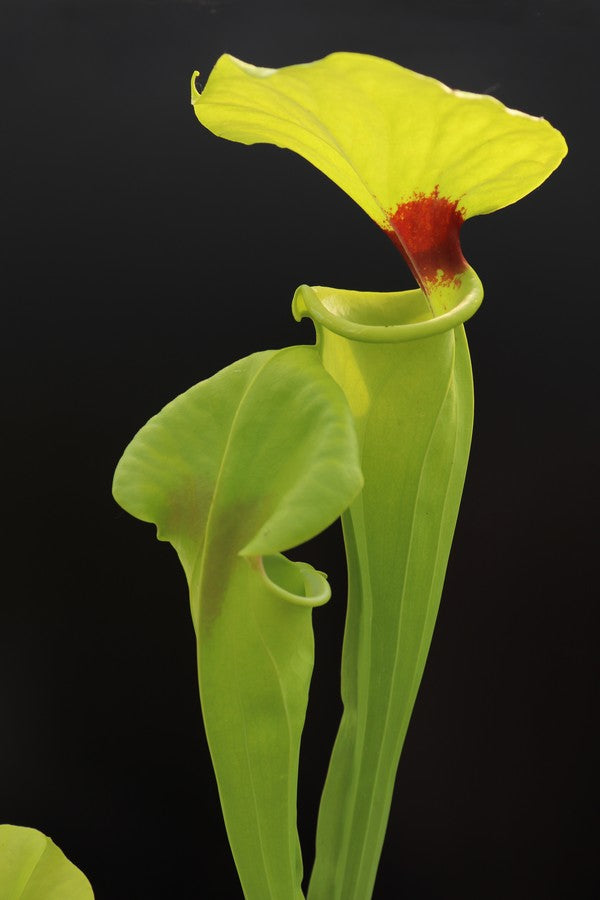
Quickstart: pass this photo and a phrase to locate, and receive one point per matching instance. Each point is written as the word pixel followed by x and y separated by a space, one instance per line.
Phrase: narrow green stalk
pixel 258 772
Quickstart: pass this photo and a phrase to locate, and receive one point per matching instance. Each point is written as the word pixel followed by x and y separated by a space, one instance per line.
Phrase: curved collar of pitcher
pixel 385 317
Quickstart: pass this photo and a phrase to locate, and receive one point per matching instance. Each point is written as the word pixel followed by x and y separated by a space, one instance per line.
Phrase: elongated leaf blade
pixel 411 393
pixel 252 461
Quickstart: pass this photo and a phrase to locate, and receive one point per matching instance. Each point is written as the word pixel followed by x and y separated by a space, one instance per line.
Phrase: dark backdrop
pixel 141 255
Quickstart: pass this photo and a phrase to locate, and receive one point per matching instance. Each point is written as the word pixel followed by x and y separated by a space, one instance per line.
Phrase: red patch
pixel 426 230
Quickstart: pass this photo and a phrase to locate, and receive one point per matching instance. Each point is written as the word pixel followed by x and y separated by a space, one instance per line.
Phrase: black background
pixel 141 255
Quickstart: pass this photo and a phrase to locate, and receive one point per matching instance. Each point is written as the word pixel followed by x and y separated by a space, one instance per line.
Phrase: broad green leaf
pixel 32 867
pixel 248 463
pixel 418 157
pixel 261 454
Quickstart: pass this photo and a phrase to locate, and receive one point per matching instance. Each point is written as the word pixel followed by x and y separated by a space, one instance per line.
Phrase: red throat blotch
pixel 426 230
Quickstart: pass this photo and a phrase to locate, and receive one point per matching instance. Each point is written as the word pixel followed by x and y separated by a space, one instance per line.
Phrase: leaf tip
pixel 195 92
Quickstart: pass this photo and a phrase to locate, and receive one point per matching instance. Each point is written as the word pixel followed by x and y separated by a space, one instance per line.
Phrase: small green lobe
pixel 32 867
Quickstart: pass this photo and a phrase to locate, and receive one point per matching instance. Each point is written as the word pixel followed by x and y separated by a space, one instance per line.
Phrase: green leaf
pixel 412 398
pixel 262 453
pixel 418 157
pixel 32 867
pixel 246 464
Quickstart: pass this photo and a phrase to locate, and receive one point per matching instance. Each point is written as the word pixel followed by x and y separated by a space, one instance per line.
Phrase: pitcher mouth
pixel 385 317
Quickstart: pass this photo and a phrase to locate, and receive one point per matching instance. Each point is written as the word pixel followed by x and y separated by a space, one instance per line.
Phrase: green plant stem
pixel 257 679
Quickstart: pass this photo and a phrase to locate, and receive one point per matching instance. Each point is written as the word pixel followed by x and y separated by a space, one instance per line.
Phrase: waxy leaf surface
pixel 418 157
pixel 32 867
pixel 257 459
pixel 253 461
pixel 410 390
